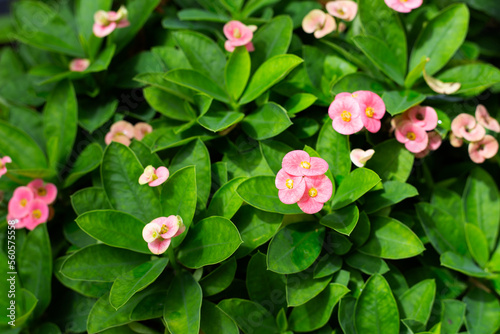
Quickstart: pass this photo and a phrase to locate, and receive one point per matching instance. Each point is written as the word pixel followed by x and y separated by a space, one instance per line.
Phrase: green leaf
pixel 274 151
pixel 376 309
pixel 244 312
pixel 94 113
pixel 390 239
pixel 362 230
pixel 336 243
pixel 391 161
pixel 298 102
pixel 392 193
pixel 84 15
pixel 100 263
pixel 463 264
pixel 302 287
pixel 167 104
pixel 473 78
pixel 197 81
pixel 316 313
pixel 353 186
pixel 268 74
pixel 483 310
pixel 441 38
pixel 416 303
pixel 114 228
pixel 343 220
pixel 28 303
pixel 494 263
pixel 220 120
pixel 215 321
pixel 357 81
pixel 327 265
pixel 334 148
pixel 452 316
pixel 477 244
pixel 143 153
pixel 295 248
pixel 482 204
pixel 219 279
pixel 194 14
pixel 135 280
pixel 120 171
pixel 89 199
pixel 397 102
pixel 368 264
pixel 210 241
pixel 183 305
pixel 256 227
pixel 346 310
pixel 237 72
pixel 226 202
pixel 87 161
pixel 266 122
pixel 261 192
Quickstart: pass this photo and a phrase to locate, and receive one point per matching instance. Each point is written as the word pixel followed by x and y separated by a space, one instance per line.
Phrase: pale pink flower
pixel 425 117
pixel 435 141
pixel 318 191
pixel 360 157
pixel 346 115
pixel 465 126
pixel 106 22
pixel 484 118
pixel 372 109
pixel 121 132
pixel 299 163
pixel 141 129
pixel 159 233
pixel 46 192
pixel 79 64
pixel 38 214
pixel 319 23
pixel 3 161
pixel 238 34
pixel 342 27
pixel 19 203
pixel 154 177
pixel 403 6
pixel 21 222
pixel 344 94
pixel 484 149
pixel 413 136
pixel 455 141
pixel 345 10
pixel 291 188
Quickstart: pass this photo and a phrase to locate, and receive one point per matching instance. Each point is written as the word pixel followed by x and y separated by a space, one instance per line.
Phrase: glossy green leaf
pixel 167 104
pixel 483 312
pixel 89 199
pixel 392 161
pixel 417 302
pixel 27 304
pixel 298 102
pixel 197 81
pixel 397 102
pixel 195 14
pixel 441 38
pixel 120 171
pixel 343 220
pixel 376 309
pixel 477 244
pixel 268 74
pixel 473 78
pixel 362 230
pixel 316 313
pixel 494 263
pixel 463 264
pixel 271 39
pixel 219 279
pixel 336 243
pixel 88 160
pixel 92 114
pixel 452 316
pixel 266 122
pixel 237 72
pixel 135 280
pixel 100 263
pixel 295 247
pixel 357 81
pixel 327 265
pixel 347 306
pixel 144 154
pixel 482 204
pixel 183 305
pixel 274 151
pixel 210 241
pixel 302 287
pixel 392 193
pixel 368 264
pixel 334 148
pixel 353 186
pixel 220 120
pixel 226 202
pixel 250 317
pixel 215 321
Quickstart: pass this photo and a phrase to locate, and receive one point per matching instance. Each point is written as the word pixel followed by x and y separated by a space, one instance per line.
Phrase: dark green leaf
pixel 266 122
pixel 198 82
pixel 353 186
pixel 343 220
pixel 397 102
pixel 249 316
pixel 452 316
pixel 483 310
pixel 271 39
pixel 391 161
pixel 226 202
pixel 94 113
pixel 215 321
pixel 473 78
pixel 327 265
pixel 89 199
pixel 88 160
pixel 334 148
pixel 219 279
pixel 463 264
pixel 302 287
pixel 220 120
pixel 167 104
pixel 368 264
pixel 477 244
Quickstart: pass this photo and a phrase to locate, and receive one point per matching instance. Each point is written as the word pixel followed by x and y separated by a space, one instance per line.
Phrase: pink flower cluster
pixel 351 112
pixel 322 24
pixel 79 64
pixel 3 161
pixel 238 34
pixel 154 177
pixel 473 129
pixel 29 204
pixel 159 233
pixel 106 22
pixel 123 132
pixel 403 6
pixel 411 129
pixel 301 180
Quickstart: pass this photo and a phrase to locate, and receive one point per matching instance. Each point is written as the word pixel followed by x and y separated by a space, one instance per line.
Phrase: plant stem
pixel 172 260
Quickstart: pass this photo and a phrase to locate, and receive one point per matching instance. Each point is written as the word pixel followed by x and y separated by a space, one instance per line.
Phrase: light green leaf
pixel 417 302
pixel 477 244
pixel 89 199
pixel 167 104
pixel 463 264
pixel 334 148
pixel 353 186
pixel 219 279
pixel 391 161
pixel 392 193
pixel 220 120
pixel 452 316
pixel 343 220
pixel 197 81
pixel 88 160
pixel 483 312
pixel 473 78
pixel 271 39
pixel 226 202
pixel 397 102
pixel 237 72
pixel 266 122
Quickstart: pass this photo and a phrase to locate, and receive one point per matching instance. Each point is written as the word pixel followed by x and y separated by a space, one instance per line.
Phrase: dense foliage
pixel 141 142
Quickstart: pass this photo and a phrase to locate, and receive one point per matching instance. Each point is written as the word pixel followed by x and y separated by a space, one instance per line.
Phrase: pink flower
pixel 360 157
pixel 455 141
pixel 319 23
pixel 424 117
pixel 484 149
pixel 318 191
pixel 106 22
pixel 413 136
pixel 299 163
pixel 19 203
pixel 159 233
pixel 346 115
pixel 238 34
pixel 291 188
pixel 141 129
pixel 121 132
pixel 345 10
pixel 38 214
pixel 344 94
pixel 79 64
pixel 435 141
pixel 465 126
pixel 45 192
pixel 154 177
pixel 3 161
pixel 403 6
pixel 484 118
pixel 372 109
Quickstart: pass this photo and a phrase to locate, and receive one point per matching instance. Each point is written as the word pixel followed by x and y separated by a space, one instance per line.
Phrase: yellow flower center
pixel 289 183
pixel 341 11
pixel 155 234
pixel 313 192
pixel 305 164
pixel 164 229
pixel 237 33
pixel 37 214
pixel 354 95
pixel 411 136
pixel 369 112
pixel 23 202
pixel 154 177
pixel 41 191
pixel 346 116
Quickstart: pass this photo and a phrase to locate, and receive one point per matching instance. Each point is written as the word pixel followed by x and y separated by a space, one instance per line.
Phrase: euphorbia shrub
pixel 258 166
